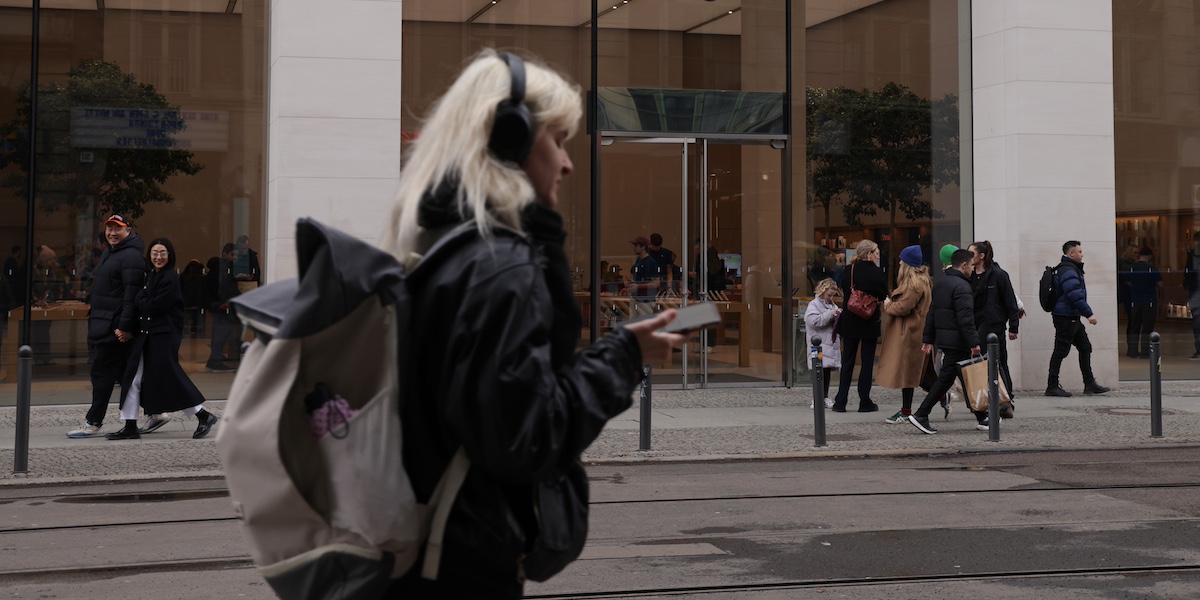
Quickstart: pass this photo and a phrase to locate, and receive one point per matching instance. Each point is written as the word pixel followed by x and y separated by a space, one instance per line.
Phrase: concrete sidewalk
pixel 685 425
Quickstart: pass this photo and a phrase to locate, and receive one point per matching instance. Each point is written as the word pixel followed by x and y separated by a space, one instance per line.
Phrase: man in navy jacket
pixel 1072 304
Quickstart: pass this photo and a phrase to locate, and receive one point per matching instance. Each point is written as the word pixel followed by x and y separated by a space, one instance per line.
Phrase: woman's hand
pixel 656 345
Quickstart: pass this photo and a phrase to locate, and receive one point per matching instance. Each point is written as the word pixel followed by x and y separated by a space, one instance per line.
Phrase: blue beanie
pixel 911 256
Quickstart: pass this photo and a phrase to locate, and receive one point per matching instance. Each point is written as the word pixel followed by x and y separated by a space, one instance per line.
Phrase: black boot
pixel 1094 388
pixel 128 432
pixel 1053 389
pixel 207 420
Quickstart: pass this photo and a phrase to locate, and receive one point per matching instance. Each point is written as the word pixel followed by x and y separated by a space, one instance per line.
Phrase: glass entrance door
pixel 701 207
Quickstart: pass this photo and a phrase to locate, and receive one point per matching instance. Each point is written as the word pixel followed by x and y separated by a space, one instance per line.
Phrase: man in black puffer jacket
pixel 113 318
pixel 950 325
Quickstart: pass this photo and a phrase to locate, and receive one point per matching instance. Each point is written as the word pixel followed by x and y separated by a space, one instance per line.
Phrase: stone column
pixel 1044 164
pixel 333 114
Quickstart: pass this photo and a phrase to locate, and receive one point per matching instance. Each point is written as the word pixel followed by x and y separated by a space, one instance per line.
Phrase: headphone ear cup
pixel 512 132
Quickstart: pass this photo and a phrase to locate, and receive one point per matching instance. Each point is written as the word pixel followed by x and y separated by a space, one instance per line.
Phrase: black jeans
pixel 1069 331
pixel 1142 317
pixel 1001 357
pixel 850 347
pixel 108 366
pixel 225 325
pixel 946 376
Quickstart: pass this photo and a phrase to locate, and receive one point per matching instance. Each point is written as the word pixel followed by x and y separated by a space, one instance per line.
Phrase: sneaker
pixel 899 417
pixel 85 430
pixel 828 403
pixel 922 423
pixel 1095 388
pixel 213 367
pixel 1195 356
pixel 154 422
pixel 984 425
pixel 1058 391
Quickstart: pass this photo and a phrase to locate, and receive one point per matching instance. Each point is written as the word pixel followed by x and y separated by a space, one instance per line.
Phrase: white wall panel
pixel 1044 162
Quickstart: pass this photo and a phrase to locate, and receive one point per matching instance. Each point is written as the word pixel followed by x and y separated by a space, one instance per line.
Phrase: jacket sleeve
pixel 902 304
pixel 815 317
pixel 929 336
pixel 133 277
pixel 873 281
pixel 514 414
pixel 1072 291
pixel 964 314
pixel 1008 300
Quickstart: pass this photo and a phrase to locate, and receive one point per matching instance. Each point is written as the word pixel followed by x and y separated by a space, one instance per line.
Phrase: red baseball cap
pixel 117 220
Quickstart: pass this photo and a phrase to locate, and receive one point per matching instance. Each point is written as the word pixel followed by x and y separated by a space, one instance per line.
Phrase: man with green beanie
pixel 945 254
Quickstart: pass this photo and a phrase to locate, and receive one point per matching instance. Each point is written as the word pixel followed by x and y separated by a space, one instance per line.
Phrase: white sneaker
pixel 984 425
pixel 828 403
pixel 85 430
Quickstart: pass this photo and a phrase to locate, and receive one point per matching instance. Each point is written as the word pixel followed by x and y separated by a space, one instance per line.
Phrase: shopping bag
pixel 974 375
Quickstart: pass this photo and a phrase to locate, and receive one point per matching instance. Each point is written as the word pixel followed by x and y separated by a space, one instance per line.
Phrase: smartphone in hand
pixel 694 317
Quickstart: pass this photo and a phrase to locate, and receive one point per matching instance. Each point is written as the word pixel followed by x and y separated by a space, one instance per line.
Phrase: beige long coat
pixel 901 360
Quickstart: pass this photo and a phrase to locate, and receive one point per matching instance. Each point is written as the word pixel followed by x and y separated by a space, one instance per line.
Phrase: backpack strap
pixel 443 498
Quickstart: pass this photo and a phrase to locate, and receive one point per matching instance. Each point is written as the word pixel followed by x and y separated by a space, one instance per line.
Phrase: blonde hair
pixel 824 285
pixel 453 145
pixel 908 277
pixel 864 248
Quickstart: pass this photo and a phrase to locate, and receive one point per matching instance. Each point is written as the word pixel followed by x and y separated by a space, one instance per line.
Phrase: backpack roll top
pixel 311 438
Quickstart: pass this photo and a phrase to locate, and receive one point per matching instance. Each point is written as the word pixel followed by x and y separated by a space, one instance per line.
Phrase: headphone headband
pixel 512 125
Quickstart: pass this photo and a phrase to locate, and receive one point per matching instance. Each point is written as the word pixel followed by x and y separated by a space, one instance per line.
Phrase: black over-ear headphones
pixel 512 127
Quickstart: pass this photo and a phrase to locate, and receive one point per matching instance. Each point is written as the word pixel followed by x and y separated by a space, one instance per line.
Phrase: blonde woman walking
pixel 901 363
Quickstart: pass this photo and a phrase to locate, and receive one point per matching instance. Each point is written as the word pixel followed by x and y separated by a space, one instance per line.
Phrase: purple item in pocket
pixel 332 417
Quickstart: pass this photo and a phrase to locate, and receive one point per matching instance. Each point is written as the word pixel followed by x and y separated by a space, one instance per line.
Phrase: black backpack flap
pixel 264 308
pixel 337 273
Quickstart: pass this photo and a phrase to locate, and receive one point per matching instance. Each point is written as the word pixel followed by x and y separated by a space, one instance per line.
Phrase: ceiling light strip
pixel 486 7
pixel 716 18
pixel 619 4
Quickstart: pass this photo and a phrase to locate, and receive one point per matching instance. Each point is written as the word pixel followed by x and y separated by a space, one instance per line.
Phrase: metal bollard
pixel 644 423
pixel 1155 385
pixel 818 379
pixel 24 381
pixel 993 351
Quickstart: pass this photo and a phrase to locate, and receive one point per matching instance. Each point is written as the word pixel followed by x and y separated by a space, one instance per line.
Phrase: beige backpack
pixel 311 439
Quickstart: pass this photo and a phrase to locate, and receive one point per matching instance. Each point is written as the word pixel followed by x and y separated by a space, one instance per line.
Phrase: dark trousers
pixel 224 325
pixel 946 376
pixel 850 347
pixel 828 373
pixel 108 366
pixel 1068 331
pixel 1194 304
pixel 1142 317
pixel 1001 357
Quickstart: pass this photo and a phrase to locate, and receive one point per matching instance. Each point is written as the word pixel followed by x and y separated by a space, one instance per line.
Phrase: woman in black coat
pixel 856 332
pixel 153 378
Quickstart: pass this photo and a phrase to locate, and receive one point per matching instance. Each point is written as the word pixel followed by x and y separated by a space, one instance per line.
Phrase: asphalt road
pixel 1011 525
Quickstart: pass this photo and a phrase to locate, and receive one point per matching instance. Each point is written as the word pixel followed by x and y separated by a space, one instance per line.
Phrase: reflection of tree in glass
pixel 879 149
pixel 121 180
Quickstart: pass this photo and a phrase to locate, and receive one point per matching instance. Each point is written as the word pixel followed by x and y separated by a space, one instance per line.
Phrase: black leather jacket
pixel 117 280
pixel 497 373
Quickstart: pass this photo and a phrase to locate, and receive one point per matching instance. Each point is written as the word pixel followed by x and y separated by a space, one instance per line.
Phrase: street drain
pixel 143 497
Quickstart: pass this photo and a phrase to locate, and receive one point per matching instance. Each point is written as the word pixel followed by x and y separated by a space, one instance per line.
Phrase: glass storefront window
pixel 693 125
pixel 153 114
pixel 1157 146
